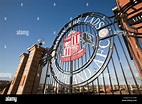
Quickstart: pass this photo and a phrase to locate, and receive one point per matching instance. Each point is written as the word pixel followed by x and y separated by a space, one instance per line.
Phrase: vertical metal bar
pixel 78 58
pixel 81 44
pixel 71 76
pixel 75 64
pixel 56 85
pixel 71 67
pixel 104 83
pixel 88 87
pixel 93 87
pixel 122 68
pixel 85 52
pixel 110 80
pixel 44 86
pixel 98 88
pixel 89 45
pixel 65 66
pixel 52 83
pixel 116 76
pixel 129 64
pixel 78 62
pixel 53 86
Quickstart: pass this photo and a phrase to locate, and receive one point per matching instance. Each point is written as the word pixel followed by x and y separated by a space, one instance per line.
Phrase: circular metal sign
pixel 81 53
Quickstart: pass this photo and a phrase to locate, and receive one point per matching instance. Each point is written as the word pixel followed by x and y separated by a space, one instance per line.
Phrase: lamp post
pixel 40 65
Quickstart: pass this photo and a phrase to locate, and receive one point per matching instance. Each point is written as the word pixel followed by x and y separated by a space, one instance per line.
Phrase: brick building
pixel 27 77
pixel 131 21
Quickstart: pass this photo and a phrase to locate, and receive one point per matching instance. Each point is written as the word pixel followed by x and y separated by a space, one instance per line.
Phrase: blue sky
pixel 41 19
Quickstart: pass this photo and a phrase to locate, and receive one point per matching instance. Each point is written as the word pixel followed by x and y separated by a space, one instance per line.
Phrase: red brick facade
pixel 134 44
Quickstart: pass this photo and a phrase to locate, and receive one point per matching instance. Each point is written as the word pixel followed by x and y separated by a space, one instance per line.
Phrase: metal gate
pixel 90 56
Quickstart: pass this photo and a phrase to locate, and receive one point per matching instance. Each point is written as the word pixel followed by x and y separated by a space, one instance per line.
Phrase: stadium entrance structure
pixel 92 54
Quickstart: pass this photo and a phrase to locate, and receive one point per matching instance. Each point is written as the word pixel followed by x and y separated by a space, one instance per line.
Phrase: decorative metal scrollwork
pixel 82 50
pixel 84 46
pixel 130 18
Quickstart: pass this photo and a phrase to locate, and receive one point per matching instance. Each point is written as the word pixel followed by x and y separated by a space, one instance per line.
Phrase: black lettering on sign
pixel 135 19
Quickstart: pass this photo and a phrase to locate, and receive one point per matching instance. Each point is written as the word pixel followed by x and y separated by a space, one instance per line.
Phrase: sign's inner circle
pixel 82 49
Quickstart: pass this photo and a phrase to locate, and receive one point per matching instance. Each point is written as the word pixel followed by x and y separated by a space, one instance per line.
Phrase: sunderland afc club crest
pixel 72 49
pixel 82 49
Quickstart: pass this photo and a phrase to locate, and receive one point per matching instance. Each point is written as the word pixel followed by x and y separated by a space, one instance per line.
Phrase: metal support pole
pixel 48 57
pixel 71 68
pixel 71 77
pixel 44 86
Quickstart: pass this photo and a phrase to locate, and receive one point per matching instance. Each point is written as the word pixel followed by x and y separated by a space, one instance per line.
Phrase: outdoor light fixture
pixel 40 42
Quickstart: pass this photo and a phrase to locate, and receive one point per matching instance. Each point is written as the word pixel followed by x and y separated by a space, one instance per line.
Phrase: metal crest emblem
pixel 72 49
